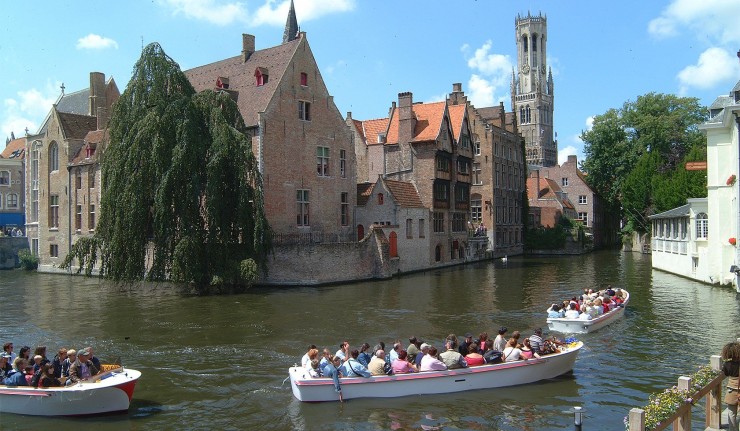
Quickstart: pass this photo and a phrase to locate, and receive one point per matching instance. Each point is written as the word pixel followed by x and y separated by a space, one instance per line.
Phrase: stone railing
pixel 681 418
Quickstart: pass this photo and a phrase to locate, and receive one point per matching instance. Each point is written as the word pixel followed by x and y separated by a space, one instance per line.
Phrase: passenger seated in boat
pixel 473 358
pixel 28 371
pixel 393 354
pixel 82 368
pixel 37 362
pixel 554 312
pixel 511 352
pixel 5 366
pixel 464 347
pixel 413 348
pixel 609 291
pixel 499 343
pixel 572 312
pixel 353 368
pixel 343 351
pixel 40 351
pixel 527 352
pixel 94 359
pixel 332 370
pixel 325 360
pixel 606 303
pixel 17 378
pixel 313 369
pixel 584 316
pixel 598 306
pixel 451 357
pixel 305 360
pixel 424 349
pixel 48 379
pixel 573 300
pixel 430 362
pixel 402 364
pixel 71 358
pixel 483 342
pixel 377 364
pixel 58 361
pixel 365 356
pixel 312 354
pixel 535 341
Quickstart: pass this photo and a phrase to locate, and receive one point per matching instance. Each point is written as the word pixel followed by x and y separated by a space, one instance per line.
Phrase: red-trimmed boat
pixel 306 388
pixel 107 393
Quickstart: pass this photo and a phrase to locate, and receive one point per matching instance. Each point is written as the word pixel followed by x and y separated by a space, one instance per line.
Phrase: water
pixel 219 362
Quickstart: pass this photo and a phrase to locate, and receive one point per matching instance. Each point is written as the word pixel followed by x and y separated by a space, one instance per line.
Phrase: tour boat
pixel 306 388
pixel 110 392
pixel 578 326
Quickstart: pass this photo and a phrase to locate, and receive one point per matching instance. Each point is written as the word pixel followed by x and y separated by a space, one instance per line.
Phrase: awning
pixel 12 219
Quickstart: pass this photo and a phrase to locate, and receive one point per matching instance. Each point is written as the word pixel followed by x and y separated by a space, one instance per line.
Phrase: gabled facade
pixel 12 185
pixel 547 202
pixel 303 146
pixel 59 196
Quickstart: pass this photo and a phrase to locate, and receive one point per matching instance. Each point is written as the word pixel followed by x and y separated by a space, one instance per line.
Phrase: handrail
pixel 681 418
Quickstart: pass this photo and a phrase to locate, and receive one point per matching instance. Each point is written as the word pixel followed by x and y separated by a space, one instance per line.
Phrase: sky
pixel 602 54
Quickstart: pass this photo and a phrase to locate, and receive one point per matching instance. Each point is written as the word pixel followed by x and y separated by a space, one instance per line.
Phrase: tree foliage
pixel 181 193
pixel 635 155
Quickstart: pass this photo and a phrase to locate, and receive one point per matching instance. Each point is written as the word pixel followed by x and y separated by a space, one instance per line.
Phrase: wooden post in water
pixel 714 398
pixel 684 421
pixel 637 419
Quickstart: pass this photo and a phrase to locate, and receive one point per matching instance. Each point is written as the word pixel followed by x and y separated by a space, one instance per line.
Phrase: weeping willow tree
pixel 181 194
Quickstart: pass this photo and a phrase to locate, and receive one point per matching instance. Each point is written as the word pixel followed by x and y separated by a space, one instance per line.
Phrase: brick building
pixel 12 184
pixel 547 202
pixel 63 174
pixel 303 146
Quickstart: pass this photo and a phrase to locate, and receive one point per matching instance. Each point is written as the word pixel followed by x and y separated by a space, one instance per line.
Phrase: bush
pixel 29 261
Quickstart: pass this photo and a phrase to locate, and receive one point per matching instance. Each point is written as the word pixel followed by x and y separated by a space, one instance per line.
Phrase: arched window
pixel 53 157
pixel 702 226
pixel 525 43
pixel 393 244
pixel 360 232
pixel 529 115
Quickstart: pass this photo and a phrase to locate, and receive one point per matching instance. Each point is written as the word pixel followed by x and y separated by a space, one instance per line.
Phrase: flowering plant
pixel 663 405
pixel 732 241
pixel 731 180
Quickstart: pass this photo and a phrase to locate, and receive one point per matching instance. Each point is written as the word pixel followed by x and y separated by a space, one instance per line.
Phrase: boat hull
pixel 310 389
pixel 577 326
pixel 111 394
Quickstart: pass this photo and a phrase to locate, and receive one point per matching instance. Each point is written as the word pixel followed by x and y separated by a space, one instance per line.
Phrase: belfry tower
pixel 532 91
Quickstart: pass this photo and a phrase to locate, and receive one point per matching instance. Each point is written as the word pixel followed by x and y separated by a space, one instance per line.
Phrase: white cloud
pixel 563 153
pixel 94 41
pixel 436 98
pixel 715 65
pixel 589 124
pixel 27 110
pixel 271 12
pixel 491 75
pixel 712 19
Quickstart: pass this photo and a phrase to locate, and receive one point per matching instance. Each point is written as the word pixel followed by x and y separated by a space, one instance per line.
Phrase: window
pixel 564 181
pixel 91 218
pixel 477 178
pixel 302 212
pixel 442 194
pixel 443 164
pixel 54 250
pixel 78 218
pixel 465 141
pixel 53 157
pixel 439 222
pixel 476 210
pixel 322 161
pixel 462 195
pixel 11 201
pixel 702 226
pixel 381 199
pixel 582 199
pixel 4 178
pixel 78 179
pixel 91 178
pixel 304 110
pixel 409 227
pixel 583 217
pixel 683 228
pixel 345 209
pixel 476 148
pixel 458 222
pixel 343 163
pixel 261 76
pixel 54 211
pixel 304 79
pixel 422 228
pixel 463 167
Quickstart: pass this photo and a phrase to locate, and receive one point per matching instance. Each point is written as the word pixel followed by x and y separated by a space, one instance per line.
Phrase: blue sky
pixel 602 54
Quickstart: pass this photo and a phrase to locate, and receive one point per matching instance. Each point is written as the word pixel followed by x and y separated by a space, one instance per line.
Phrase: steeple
pixel 291 25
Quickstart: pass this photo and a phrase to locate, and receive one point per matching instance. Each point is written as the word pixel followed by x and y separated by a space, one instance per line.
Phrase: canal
pixel 219 362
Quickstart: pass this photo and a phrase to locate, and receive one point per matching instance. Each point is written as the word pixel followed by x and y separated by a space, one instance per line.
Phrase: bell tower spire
pixel 291 25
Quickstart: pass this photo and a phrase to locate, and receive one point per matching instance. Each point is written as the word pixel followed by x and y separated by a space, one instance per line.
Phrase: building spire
pixel 291 25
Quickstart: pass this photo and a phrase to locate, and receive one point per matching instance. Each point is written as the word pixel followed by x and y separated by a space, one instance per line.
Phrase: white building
pixel 699 240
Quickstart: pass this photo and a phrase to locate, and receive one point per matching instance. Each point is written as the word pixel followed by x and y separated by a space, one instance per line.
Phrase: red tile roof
pixel 548 189
pixel 92 140
pixel 405 194
pixel 429 118
pixel 457 115
pixel 14 149
pixel 364 190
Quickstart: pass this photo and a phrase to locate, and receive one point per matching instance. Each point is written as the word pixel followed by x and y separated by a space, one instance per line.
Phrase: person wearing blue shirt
pixel 17 378
pixel 353 368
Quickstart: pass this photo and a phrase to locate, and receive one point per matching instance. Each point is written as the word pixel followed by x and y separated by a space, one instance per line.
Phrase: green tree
pixel 181 194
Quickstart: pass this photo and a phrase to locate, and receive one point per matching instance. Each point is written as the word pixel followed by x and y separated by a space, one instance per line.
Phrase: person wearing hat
pixel 5 366
pixel 82 368
pixel 464 347
pixel 499 343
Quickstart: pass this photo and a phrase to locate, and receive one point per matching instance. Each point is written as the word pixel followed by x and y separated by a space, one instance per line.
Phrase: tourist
pixel 38 362
pixel 377 363
pixel 5 367
pixel 572 312
pixel 58 360
pixel 24 353
pixel 343 351
pixel 32 378
pixel 8 348
pixel 40 351
pixel 353 368
pixel 71 358
pixel 554 312
pixel 365 357
pixel 17 378
pixel 535 341
pixel 606 302
pixel 325 359
pixel 82 368
pixel 48 378
pixel 313 369
pixel 499 343
pixel 402 364
pixel 423 350
pixel 94 359
pixel 305 360
pixel 473 358
pixel 312 354
pixel 451 357
pixel 516 335
pixel 430 362
pixel 483 342
pixel 512 352
pixel 527 352
pixel 598 305
pixel 413 348
pixel 332 371
pixel 393 354
pixel 584 316
pixel 465 345
pixel 731 368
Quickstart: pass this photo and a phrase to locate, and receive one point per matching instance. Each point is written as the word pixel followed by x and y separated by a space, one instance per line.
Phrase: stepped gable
pixel 405 194
pixel 76 126
pixel 429 118
pixel 364 190
pixel 15 149
pixel 250 98
pixel 457 115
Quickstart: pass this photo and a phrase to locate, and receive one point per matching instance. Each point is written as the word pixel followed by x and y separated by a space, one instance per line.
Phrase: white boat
pixel 578 326
pixel 306 388
pixel 110 392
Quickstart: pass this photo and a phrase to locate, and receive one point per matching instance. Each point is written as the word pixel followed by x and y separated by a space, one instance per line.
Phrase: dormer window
pixel 89 151
pixel 304 79
pixel 261 76
pixel 222 83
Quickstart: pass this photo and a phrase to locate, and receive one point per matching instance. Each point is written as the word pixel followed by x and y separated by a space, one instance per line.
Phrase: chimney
pixel 502 115
pixel 97 92
pixel 406 119
pixel 393 108
pixel 349 115
pixel 573 159
pixel 457 97
pixel 247 46
pixel 102 116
